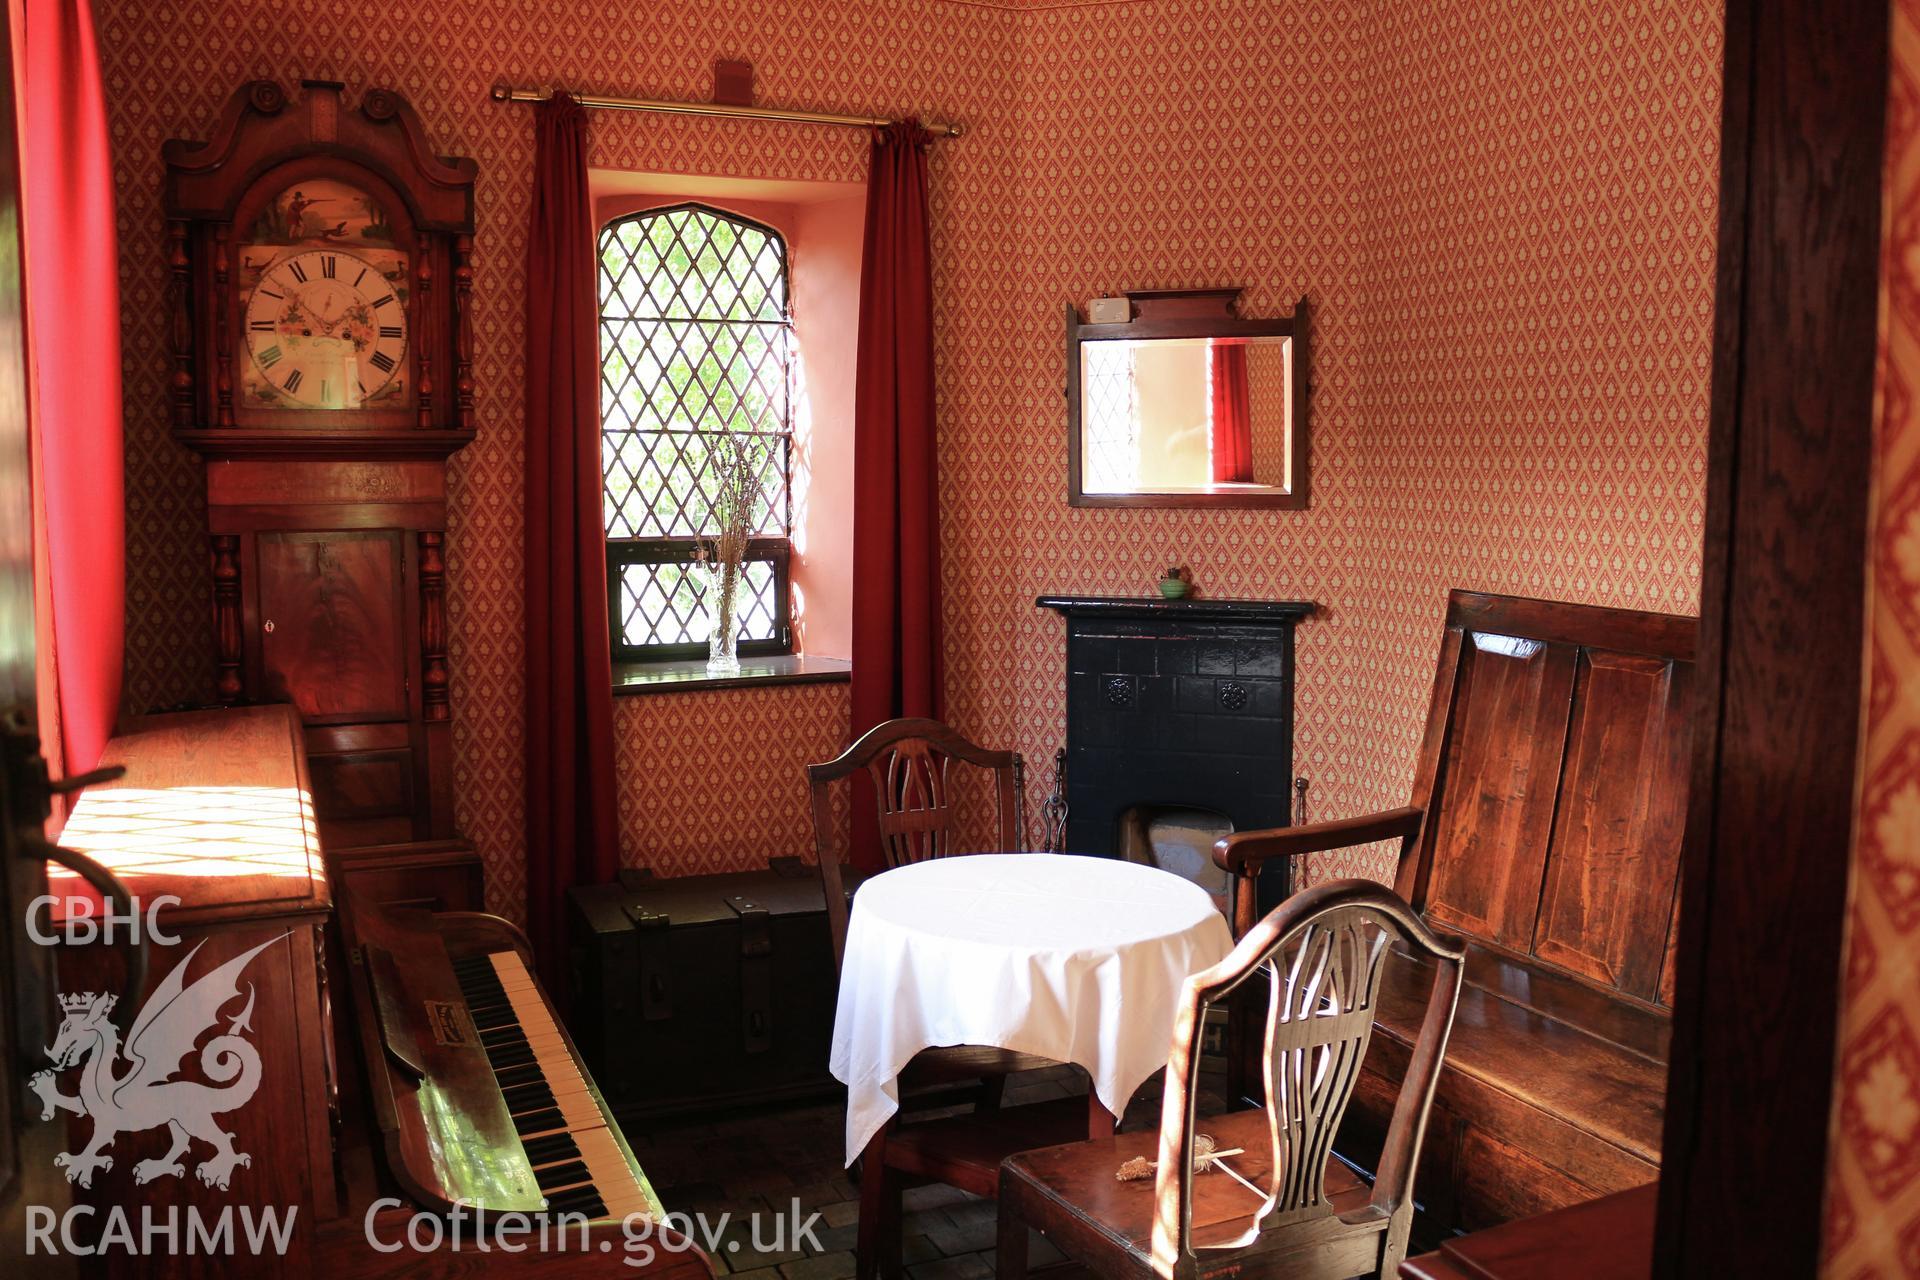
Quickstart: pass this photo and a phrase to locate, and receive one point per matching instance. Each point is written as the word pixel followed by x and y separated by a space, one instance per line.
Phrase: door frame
pixel 1782 617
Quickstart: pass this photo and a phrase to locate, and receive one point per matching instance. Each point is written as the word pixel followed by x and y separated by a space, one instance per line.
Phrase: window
pixel 696 340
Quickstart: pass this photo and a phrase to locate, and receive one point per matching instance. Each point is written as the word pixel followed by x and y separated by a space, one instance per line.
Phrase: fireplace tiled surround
pixel 1176 706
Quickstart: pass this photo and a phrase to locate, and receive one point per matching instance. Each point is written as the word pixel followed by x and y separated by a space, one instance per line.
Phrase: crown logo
pixel 83 1001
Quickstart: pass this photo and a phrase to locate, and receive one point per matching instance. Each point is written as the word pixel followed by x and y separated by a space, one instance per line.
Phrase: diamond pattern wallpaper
pixel 1502 217
pixel 1873 1174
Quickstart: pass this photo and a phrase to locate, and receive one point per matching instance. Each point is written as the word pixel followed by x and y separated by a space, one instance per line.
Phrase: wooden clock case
pixel 327 527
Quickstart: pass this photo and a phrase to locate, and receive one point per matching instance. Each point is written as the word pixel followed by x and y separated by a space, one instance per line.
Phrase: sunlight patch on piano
pixel 196 831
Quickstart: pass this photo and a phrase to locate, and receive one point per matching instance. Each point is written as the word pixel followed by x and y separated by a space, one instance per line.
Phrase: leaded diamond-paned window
pixel 696 340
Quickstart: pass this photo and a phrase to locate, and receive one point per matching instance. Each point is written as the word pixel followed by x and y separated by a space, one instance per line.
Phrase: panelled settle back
pixel 1554 779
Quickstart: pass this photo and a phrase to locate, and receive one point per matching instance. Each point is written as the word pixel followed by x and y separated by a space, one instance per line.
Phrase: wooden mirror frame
pixel 1192 313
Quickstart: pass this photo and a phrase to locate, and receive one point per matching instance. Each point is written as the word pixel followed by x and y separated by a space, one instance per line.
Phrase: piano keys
pixel 572 1145
pixel 480 1103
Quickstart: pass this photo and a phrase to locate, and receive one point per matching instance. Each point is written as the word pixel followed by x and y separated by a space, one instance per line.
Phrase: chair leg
pixel 1101 1123
pixel 877 1242
pixel 1011 1242
pixel 1393 1242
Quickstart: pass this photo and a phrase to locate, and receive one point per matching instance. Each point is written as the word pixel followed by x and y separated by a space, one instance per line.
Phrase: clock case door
pixel 338 611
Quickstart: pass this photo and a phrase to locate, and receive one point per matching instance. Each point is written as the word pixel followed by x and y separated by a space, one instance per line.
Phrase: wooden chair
pixel 910 763
pixel 1549 801
pixel 1300 1212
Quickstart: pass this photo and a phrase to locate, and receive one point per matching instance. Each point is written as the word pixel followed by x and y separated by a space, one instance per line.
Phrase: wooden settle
pixel 1549 801
pixel 1606 1239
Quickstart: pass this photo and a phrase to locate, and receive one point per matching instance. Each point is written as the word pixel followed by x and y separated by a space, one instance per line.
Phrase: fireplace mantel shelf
pixel 1189 609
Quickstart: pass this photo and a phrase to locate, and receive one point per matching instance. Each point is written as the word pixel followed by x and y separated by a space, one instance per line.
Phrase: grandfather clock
pixel 322 349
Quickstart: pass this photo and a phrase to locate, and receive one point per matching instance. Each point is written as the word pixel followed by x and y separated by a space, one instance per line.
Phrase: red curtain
pixel 896 511
pixel 572 818
pixel 73 352
pixel 1232 425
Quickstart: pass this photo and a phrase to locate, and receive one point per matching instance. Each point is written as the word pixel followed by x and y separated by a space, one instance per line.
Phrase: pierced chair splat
pixel 910 764
pixel 1275 1201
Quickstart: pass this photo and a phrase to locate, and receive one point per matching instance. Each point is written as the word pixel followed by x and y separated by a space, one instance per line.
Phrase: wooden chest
pixel 704 991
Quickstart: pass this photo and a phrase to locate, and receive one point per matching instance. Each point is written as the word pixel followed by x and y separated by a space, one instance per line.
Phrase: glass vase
pixel 723 606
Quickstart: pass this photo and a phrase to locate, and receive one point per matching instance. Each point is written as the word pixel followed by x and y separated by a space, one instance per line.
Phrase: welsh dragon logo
pixel 145 1096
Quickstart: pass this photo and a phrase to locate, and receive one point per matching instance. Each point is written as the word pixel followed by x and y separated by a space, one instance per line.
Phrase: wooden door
pixel 27 1144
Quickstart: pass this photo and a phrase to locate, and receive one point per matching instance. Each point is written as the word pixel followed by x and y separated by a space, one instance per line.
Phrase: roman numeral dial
pixel 326 328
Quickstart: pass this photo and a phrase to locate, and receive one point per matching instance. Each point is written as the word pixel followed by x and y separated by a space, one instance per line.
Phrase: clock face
pixel 327 328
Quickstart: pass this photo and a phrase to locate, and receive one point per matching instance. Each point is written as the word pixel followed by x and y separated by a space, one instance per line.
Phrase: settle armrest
pixel 1243 852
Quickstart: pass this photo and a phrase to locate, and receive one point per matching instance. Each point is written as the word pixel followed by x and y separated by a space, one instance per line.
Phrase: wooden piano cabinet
pixel 433 875
pixel 429 1122
pixel 212 810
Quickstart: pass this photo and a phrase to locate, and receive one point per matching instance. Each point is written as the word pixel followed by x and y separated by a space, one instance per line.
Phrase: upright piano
pixel 410 1062
pixel 477 1102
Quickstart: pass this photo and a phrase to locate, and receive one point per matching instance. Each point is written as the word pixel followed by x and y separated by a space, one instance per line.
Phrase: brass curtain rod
pixel 502 93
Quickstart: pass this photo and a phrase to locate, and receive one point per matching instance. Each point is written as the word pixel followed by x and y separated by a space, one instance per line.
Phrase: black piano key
pixel 527 1097
pixel 551 1149
pixel 560 1175
pixel 513 1055
pixel 537 1121
pixel 526 1091
pixel 531 1073
pixel 581 1200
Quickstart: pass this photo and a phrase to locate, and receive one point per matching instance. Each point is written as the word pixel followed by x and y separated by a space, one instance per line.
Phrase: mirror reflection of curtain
pixel 1112 427
pixel 1232 422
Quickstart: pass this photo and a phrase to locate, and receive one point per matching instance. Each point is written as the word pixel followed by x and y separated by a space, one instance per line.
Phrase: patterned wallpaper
pixel 692 798
pixel 1502 215
pixel 1873 1176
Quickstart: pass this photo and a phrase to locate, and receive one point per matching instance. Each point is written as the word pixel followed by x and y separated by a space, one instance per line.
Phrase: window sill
pixel 634 678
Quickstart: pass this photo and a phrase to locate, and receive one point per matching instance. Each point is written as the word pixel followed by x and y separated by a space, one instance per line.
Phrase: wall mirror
pixel 1186 404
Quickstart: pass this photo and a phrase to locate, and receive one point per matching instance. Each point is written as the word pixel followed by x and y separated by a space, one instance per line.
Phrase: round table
pixel 1078 959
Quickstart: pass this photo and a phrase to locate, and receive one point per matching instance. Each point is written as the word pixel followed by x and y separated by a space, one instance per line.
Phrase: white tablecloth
pixel 1078 959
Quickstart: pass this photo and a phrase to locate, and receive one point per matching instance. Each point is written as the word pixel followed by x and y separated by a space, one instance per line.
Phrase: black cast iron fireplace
pixel 1179 717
